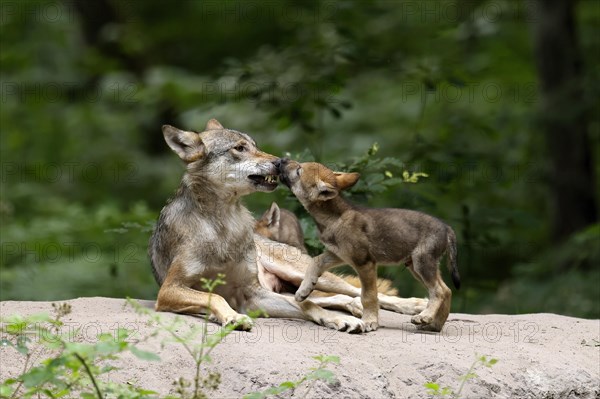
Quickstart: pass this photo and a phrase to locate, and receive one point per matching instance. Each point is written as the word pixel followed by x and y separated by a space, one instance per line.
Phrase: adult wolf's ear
pixel 346 180
pixel 188 145
pixel 213 124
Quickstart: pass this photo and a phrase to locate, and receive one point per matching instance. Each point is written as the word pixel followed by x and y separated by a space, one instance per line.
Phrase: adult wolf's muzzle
pixel 267 179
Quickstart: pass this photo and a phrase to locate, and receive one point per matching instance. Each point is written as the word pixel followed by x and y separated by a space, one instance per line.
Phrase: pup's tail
pixel 384 286
pixel 452 255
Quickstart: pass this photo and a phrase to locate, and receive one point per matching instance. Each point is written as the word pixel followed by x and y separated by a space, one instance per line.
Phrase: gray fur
pixel 204 231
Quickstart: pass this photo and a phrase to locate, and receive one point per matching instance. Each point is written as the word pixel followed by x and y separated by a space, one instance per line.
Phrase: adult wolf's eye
pixel 240 148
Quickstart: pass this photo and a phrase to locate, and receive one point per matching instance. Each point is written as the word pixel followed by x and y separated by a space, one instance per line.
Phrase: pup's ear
pixel 273 216
pixel 346 180
pixel 188 145
pixel 213 124
pixel 326 191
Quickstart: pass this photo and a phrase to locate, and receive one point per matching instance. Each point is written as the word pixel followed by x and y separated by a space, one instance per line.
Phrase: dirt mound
pixel 539 355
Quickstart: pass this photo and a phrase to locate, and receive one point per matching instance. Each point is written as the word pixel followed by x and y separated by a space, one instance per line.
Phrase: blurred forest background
pixel 496 101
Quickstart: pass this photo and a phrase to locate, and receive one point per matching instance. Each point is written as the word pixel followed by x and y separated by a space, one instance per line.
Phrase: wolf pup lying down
pixel 204 230
pixel 363 238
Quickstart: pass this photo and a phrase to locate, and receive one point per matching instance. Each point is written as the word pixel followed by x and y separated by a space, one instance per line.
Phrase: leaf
pixel 58 394
pixel 469 376
pixel 373 150
pixel 432 385
pixel 321 374
pixel 327 359
pixel 5 390
pixel 16 328
pixel 36 377
pixel 144 355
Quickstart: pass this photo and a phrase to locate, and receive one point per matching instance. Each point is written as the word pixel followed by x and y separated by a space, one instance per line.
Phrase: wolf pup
pixel 281 225
pixel 363 238
pixel 204 230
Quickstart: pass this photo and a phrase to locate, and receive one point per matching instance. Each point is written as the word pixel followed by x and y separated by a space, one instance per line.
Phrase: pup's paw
pixel 423 322
pixel 304 291
pixel 371 325
pixel 239 321
pixel 348 324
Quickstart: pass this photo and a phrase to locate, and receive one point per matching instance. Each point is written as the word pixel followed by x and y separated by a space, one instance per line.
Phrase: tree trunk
pixel 564 118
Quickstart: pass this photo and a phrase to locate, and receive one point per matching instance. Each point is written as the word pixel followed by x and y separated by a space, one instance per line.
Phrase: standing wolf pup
pixel 205 230
pixel 283 226
pixel 363 238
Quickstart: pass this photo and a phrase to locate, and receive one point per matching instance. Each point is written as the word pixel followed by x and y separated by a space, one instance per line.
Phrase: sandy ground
pixel 539 355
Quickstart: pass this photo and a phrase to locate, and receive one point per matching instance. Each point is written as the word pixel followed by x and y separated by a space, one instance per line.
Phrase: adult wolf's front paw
pixel 239 321
pixel 304 291
pixel 348 324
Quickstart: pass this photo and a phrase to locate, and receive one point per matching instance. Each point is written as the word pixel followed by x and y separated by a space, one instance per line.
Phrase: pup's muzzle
pixel 281 164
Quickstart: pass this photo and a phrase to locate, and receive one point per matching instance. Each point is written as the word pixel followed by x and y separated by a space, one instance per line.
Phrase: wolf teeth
pixel 270 179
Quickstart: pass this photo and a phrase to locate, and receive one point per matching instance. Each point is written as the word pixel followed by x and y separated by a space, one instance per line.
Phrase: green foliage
pixel 562 278
pixel 69 250
pixel 73 366
pixel 197 388
pixel 436 390
pixel 85 170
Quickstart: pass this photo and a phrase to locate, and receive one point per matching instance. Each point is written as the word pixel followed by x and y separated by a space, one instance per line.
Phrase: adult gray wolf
pixel 204 231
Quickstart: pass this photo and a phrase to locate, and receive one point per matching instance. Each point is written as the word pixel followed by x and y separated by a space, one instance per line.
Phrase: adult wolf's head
pixel 227 160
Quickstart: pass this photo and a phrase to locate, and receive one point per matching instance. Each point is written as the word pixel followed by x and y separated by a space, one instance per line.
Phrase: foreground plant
pixel 318 373
pixel 73 366
pixel 200 353
pixel 435 389
pixel 80 368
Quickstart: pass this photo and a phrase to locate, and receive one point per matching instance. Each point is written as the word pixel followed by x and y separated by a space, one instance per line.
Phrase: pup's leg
pixel 294 271
pixel 425 269
pixel 368 281
pixel 280 306
pixel 293 267
pixel 175 296
pixel 315 269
